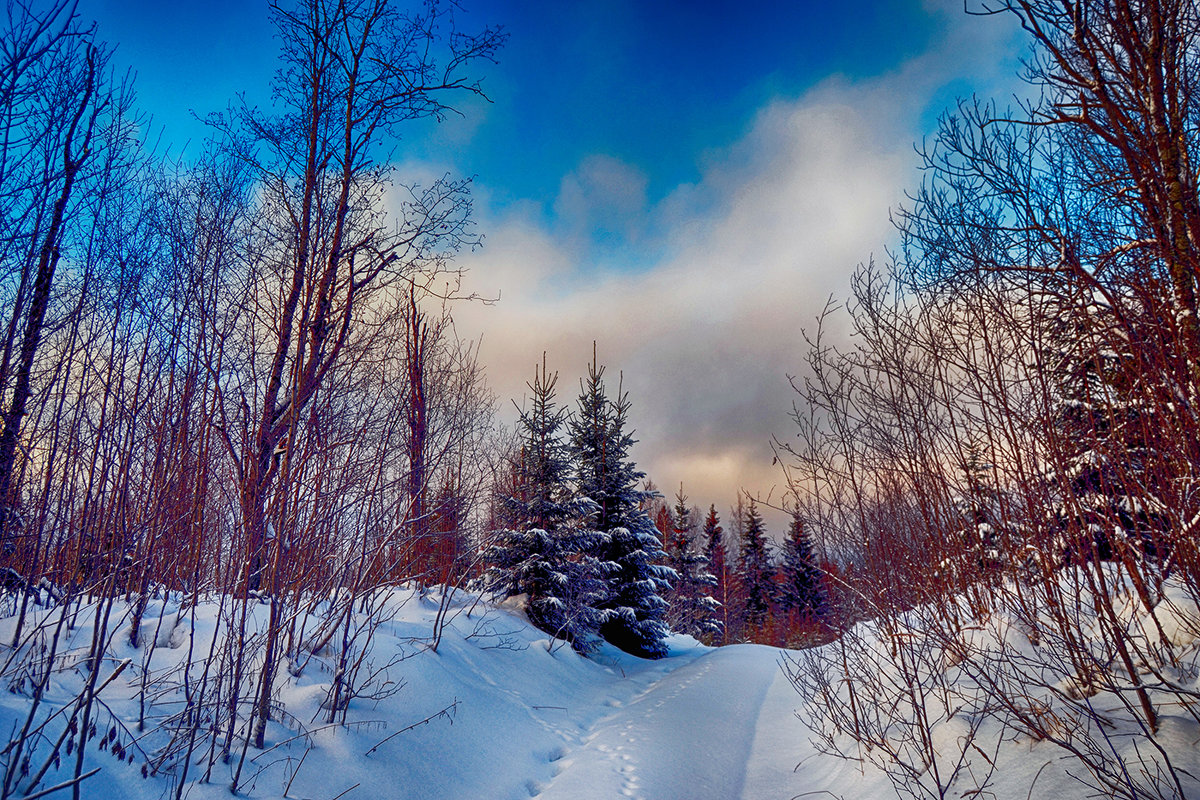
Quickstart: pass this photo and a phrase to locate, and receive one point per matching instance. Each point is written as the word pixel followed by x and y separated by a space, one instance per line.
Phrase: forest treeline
pixel 597 553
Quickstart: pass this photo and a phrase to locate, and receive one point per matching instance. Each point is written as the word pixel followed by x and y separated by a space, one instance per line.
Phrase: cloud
pixel 604 197
pixel 707 329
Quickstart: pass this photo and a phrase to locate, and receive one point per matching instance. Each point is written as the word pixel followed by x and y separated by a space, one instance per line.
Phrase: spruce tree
pixel 735 609
pixel 1114 491
pixel 692 608
pixel 630 550
pixel 980 506
pixel 754 568
pixel 544 550
pixel 800 587
pixel 718 566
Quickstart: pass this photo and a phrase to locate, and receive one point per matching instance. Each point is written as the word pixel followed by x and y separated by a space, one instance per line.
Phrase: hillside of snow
pixel 497 710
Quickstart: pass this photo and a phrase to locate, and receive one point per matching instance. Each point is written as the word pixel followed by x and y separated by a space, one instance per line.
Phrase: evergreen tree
pixel 545 550
pixel 692 608
pixel 982 518
pixel 754 568
pixel 630 553
pixel 1114 490
pixel 735 609
pixel 718 566
pixel 800 587
pixel 737 525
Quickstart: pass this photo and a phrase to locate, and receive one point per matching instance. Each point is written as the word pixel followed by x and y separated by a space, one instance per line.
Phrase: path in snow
pixel 687 730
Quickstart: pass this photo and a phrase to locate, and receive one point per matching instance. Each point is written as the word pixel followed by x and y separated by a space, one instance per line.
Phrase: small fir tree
pixel 980 506
pixel 801 590
pixel 735 623
pixel 754 569
pixel 718 566
pixel 692 606
pixel 630 555
pixel 1114 490
pixel 545 550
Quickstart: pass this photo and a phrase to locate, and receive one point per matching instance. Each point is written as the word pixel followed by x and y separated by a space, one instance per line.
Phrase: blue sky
pixel 657 84
pixel 685 182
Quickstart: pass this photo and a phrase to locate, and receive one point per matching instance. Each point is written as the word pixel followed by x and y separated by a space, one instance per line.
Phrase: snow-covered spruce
pixel 631 555
pixel 545 552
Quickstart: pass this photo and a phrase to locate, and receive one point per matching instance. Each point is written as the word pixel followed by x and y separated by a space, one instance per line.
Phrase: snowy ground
pixel 530 718
pixel 680 728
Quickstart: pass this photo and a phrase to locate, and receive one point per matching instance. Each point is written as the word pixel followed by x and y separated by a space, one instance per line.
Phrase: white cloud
pixel 603 195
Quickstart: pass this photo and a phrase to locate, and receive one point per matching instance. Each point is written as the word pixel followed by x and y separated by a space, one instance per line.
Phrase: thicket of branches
pixel 231 376
pixel 1005 461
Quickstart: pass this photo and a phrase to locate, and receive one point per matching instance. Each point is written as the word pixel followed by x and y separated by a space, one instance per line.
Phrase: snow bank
pixel 499 711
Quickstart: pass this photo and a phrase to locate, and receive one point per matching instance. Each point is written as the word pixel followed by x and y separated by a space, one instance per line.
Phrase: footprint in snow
pixel 631 782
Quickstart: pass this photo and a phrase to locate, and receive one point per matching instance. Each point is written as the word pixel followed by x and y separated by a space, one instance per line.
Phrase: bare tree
pixel 352 73
pixel 1010 447
pixel 206 383
pixel 61 111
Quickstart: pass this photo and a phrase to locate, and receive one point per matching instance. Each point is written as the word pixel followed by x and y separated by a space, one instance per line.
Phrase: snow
pixel 500 711
pixel 682 727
